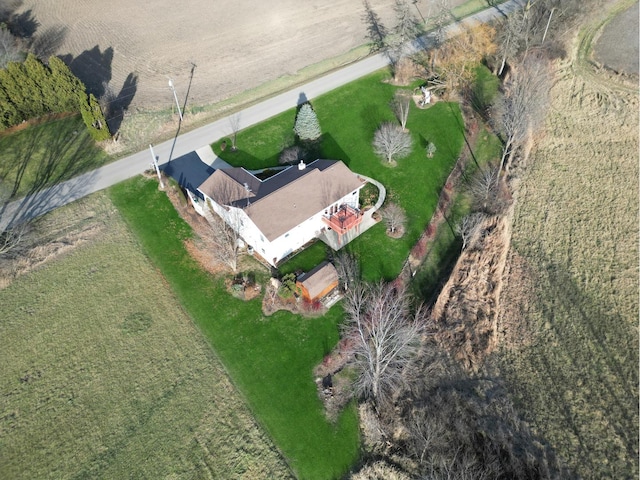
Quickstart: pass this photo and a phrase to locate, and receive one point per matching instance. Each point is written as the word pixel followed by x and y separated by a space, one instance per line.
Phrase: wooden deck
pixel 345 219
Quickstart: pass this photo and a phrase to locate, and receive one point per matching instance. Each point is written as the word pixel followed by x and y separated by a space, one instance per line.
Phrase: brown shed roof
pixel 319 279
pixel 279 203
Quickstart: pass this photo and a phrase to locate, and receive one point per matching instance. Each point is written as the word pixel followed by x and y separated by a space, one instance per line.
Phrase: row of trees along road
pixel 31 89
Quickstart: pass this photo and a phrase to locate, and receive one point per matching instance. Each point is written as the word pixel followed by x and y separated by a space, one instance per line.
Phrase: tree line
pixel 31 89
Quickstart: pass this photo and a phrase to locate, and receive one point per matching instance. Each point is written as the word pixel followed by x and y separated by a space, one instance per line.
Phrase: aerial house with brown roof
pixel 282 213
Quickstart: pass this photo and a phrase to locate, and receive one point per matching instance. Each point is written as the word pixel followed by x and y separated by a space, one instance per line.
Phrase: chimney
pixel 301 165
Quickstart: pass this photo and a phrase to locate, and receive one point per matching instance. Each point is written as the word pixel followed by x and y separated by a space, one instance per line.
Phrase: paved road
pixel 133 165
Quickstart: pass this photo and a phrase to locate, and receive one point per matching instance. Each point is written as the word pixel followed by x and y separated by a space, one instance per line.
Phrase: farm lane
pixel 108 175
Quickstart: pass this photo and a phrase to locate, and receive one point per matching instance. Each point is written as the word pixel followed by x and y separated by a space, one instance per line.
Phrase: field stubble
pixel 572 277
pixel 104 376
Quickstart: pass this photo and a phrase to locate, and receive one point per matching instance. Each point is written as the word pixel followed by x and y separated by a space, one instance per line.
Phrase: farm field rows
pixel 105 376
pixel 572 292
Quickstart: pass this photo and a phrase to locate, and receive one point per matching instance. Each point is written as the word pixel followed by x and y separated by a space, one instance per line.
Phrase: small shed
pixel 318 282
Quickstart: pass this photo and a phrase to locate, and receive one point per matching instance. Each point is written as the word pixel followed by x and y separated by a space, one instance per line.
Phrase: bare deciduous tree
pixel 469 228
pixel 48 42
pixel 394 217
pixel 10 49
pixel 385 336
pixel 234 123
pixel 348 269
pixel 391 142
pixel 512 32
pixel 400 105
pixel 484 188
pixel 224 238
pixel 522 108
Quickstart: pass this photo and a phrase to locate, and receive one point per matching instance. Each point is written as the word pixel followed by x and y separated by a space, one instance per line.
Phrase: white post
pixel 548 22
pixel 176 97
pixel 155 165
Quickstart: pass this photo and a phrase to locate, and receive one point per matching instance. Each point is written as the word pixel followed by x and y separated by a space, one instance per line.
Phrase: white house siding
pixel 285 244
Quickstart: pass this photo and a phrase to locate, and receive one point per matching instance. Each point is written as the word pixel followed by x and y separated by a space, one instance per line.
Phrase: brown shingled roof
pixel 279 203
pixel 229 185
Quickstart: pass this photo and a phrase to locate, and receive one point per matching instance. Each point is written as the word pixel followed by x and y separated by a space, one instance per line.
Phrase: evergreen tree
pixel 94 118
pixel 67 87
pixel 9 114
pixel 13 86
pixel 307 126
pixel 40 75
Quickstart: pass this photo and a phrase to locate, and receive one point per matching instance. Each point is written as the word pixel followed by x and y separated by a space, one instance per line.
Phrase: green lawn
pixel 269 358
pixel 444 252
pixel 46 154
pixel 349 117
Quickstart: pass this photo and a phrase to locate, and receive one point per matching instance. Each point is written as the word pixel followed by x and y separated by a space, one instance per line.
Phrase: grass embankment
pixel 46 154
pixel 105 376
pixel 270 359
pixel 349 117
pixel 575 243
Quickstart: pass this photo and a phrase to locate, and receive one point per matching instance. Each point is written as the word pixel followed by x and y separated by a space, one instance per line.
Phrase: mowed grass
pixel 349 117
pixel 270 359
pixel 575 237
pixel 46 154
pixel 105 376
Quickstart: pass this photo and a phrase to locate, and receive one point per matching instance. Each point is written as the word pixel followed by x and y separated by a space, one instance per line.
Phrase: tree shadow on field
pixel 584 340
pixel 47 43
pixel 21 25
pixel 371 116
pixel 94 69
pixel 463 423
pixel 41 162
pixel 116 107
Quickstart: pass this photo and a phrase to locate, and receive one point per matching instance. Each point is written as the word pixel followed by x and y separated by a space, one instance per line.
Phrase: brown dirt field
pixel 571 282
pixel 617 47
pixel 235 45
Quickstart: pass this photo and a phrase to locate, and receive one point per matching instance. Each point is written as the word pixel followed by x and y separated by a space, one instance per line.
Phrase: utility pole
pixel 155 165
pixel 176 97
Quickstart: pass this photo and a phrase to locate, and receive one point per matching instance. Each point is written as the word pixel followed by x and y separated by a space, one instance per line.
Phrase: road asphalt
pixel 103 177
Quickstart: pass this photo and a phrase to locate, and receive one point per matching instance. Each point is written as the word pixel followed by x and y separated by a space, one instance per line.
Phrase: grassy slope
pixel 575 238
pixel 349 117
pixel 270 359
pixel 104 376
pixel 46 154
